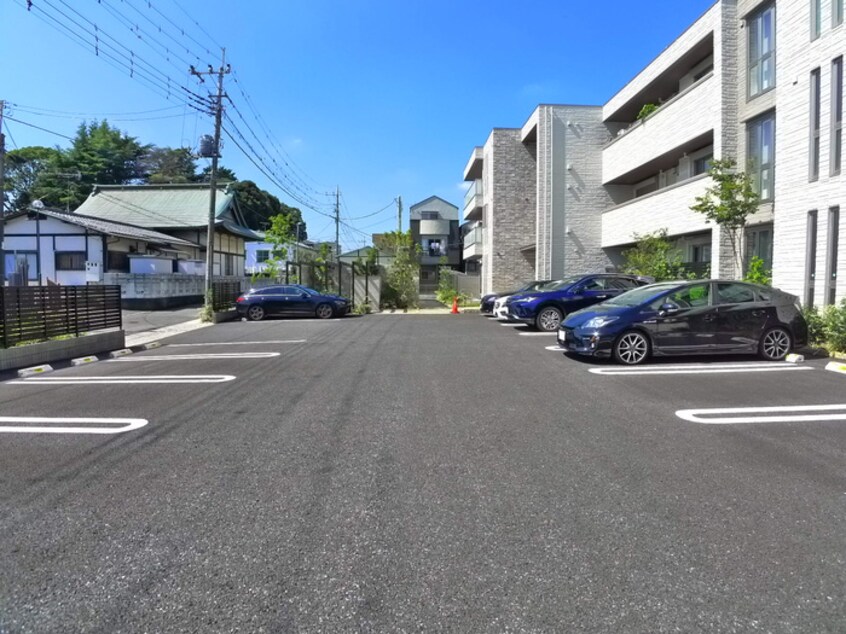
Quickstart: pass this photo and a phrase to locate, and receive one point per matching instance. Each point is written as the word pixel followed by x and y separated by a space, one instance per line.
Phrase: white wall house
pixel 48 246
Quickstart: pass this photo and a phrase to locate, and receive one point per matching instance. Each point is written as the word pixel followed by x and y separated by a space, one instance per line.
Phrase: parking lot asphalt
pixel 397 473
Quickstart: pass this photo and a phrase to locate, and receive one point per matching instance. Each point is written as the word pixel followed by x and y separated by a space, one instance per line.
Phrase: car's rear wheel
pixel 775 344
pixel 255 313
pixel 323 311
pixel 548 319
pixel 631 348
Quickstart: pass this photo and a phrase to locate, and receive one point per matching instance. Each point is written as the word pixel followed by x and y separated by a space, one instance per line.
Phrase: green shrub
pixel 816 330
pixel 834 326
pixel 646 110
pixel 756 273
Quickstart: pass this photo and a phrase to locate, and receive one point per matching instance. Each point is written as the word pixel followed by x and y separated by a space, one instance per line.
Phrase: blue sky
pixel 381 98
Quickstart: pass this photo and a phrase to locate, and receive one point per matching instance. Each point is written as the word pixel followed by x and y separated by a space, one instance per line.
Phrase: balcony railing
pixel 470 195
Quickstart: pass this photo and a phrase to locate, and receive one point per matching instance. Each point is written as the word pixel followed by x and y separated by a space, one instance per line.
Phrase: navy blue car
pixel 694 317
pixel 290 299
pixel 546 307
pixel 487 302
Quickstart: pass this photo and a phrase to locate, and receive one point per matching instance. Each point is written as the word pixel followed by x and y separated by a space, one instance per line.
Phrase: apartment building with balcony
pixel 656 164
pixel 758 81
pixel 532 208
pixel 435 228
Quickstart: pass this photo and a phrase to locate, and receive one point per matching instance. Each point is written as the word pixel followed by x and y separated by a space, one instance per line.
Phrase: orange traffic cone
pixel 454 310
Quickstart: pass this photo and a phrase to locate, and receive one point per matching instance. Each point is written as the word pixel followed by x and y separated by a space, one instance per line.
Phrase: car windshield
pixel 638 296
pixel 559 284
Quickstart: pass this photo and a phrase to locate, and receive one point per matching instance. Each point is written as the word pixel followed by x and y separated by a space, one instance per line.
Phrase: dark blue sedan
pixel 695 317
pixel 544 308
pixel 290 299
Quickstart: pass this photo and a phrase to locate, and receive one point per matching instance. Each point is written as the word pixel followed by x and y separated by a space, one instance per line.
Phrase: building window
pixel 836 13
pixel 70 260
pixel 20 266
pixel 760 135
pixel 117 261
pixel 814 162
pixel 836 115
pixel 702 165
pixel 831 259
pixel 816 18
pixel 759 243
pixel 761 66
pixel 429 215
pixel 810 258
pixel 262 255
pixel 228 264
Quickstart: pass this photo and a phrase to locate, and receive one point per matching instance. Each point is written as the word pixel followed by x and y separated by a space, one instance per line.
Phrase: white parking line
pixel 188 357
pixel 234 343
pixel 712 368
pixel 554 348
pixel 510 324
pixel 536 334
pixel 39 425
pixel 781 414
pixel 117 380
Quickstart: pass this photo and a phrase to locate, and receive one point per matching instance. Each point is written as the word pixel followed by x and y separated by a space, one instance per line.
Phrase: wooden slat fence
pixel 39 313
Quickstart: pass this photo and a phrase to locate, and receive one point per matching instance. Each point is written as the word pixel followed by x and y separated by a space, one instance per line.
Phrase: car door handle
pixel 602 296
pixel 709 318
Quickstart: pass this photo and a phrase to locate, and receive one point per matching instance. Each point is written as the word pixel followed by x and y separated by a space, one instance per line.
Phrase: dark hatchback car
pixel 290 299
pixel 488 300
pixel 545 308
pixel 696 317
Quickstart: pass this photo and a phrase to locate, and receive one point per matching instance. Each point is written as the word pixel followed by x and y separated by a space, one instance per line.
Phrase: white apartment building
pixel 759 81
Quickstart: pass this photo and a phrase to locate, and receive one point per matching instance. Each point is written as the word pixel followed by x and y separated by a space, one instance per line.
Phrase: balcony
pixel 473 201
pixel 679 126
pixel 668 208
pixel 474 244
pixel 436 227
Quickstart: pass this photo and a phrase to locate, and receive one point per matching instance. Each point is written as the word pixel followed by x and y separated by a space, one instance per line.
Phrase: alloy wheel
pixel 631 348
pixel 324 311
pixel 775 344
pixel 255 312
pixel 549 319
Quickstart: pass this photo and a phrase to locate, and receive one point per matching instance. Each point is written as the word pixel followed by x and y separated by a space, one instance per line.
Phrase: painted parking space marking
pixel 509 324
pixel 235 343
pixel 785 414
pixel 41 425
pixel 536 334
pixel 711 368
pixel 129 380
pixel 197 357
pixel 554 348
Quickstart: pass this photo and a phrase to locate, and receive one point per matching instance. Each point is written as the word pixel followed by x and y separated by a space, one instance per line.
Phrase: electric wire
pixel 37 127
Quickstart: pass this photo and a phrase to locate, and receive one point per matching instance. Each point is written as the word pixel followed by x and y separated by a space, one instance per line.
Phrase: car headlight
pixel 340 302
pixel 526 299
pixel 599 322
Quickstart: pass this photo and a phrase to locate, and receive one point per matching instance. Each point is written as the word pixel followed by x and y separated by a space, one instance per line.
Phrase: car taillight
pixel 240 299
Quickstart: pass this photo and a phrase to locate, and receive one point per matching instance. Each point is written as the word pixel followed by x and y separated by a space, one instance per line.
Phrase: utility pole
pixel 338 233
pixel 399 214
pixel 2 198
pixel 218 116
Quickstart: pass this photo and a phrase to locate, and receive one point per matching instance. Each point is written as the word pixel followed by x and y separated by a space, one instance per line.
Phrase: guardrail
pixel 30 314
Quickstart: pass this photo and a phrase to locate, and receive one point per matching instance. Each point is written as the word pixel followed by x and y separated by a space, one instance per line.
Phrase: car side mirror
pixel 668 309
pixel 304 295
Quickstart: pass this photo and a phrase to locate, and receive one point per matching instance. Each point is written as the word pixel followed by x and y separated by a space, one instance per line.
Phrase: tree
pixel 401 283
pixel 23 168
pixel 224 175
pixel 169 165
pixel 101 155
pixel 259 207
pixel 729 202
pixel 655 256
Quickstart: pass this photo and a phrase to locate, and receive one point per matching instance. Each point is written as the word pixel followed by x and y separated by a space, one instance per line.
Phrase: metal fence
pixel 29 314
pixel 224 294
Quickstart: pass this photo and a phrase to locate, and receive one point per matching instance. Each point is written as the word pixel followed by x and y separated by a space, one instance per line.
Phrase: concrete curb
pixel 84 360
pixel 152 345
pixel 34 371
pixel 836 366
pixel 114 354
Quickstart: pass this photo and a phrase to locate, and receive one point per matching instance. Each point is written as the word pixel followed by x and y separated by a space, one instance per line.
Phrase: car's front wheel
pixel 548 319
pixel 324 311
pixel 255 313
pixel 775 344
pixel 631 348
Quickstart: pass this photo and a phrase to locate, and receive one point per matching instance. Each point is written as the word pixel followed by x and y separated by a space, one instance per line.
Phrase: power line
pixel 32 125
pixel 37 109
